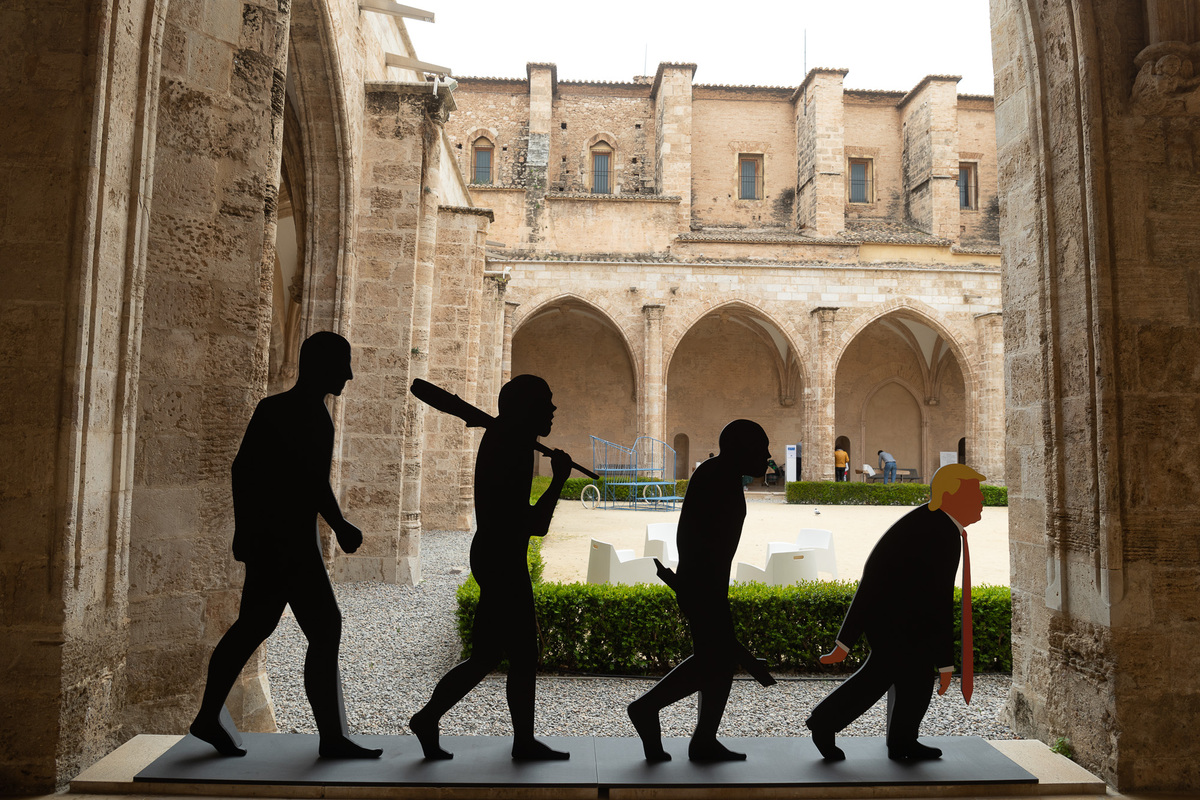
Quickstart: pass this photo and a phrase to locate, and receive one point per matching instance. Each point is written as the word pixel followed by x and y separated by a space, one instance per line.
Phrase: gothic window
pixel 968 186
pixel 750 177
pixel 481 161
pixel 861 181
pixel 602 160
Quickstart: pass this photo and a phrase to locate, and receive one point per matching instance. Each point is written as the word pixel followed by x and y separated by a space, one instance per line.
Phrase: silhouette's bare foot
pixel 341 747
pixel 712 750
pixel 426 731
pixel 533 750
pixel 648 728
pixel 215 734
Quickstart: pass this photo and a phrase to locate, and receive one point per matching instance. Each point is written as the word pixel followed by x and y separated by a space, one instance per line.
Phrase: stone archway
pixel 586 359
pixel 901 350
pixel 734 362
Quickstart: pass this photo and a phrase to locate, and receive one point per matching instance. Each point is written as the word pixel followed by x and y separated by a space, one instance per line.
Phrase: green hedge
pixel 830 493
pixel 638 630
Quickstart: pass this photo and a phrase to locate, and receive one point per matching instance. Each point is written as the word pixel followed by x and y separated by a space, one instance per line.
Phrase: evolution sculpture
pixel 904 604
pixel 505 624
pixel 280 485
pixel 710 526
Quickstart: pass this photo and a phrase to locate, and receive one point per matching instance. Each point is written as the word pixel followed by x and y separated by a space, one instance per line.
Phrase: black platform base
pixel 598 763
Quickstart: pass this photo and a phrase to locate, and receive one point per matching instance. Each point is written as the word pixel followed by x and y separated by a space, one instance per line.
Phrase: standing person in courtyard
pixel 280 485
pixel 887 463
pixel 505 624
pixel 905 606
pixel 710 526
pixel 841 463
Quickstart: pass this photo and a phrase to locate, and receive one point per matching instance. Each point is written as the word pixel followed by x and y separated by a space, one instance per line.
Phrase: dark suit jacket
pixel 905 600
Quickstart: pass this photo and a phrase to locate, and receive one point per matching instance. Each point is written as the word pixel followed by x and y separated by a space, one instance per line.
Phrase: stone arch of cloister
pixel 732 359
pixel 588 358
pixel 878 348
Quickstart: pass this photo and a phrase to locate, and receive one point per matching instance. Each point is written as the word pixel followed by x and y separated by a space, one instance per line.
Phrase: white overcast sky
pixel 886 44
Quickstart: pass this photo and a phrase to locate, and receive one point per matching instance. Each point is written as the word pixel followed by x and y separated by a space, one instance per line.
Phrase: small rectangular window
pixel 861 189
pixel 750 177
pixel 968 186
pixel 601 183
pixel 481 171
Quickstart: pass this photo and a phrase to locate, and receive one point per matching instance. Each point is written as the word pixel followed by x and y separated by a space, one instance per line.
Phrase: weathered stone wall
pixel 873 131
pixel 500 112
pixel 929 122
pixel 727 122
pixel 206 327
pixel 977 145
pixel 621 115
pixel 454 365
pixel 672 96
pixel 610 225
pixel 1097 156
pixel 392 311
pixel 820 152
pixel 75 172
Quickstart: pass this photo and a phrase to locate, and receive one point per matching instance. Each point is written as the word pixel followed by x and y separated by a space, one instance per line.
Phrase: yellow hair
pixel 947 480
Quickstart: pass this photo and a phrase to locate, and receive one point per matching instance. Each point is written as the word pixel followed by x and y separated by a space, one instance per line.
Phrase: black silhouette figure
pixel 505 624
pixel 905 606
pixel 280 484
pixel 710 526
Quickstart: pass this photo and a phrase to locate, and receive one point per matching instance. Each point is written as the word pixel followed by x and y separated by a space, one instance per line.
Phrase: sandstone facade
pixel 842 294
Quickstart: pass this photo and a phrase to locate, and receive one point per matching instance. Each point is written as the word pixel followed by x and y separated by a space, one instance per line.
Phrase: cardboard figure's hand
pixel 349 536
pixel 944 681
pixel 560 463
pixel 837 654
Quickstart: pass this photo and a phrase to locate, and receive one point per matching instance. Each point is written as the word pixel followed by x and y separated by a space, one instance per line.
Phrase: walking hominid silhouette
pixel 280 485
pixel 505 624
pixel 710 526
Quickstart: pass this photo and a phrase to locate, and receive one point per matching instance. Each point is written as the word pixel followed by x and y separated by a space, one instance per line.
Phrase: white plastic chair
pixel 660 543
pixel 821 541
pixel 606 564
pixel 784 567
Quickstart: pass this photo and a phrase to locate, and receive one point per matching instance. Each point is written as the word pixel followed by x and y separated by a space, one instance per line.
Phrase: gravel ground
pixel 398 641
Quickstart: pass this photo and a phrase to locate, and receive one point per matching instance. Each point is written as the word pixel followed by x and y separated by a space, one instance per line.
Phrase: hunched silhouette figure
pixel 905 606
pixel 280 485
pixel 710 526
pixel 505 624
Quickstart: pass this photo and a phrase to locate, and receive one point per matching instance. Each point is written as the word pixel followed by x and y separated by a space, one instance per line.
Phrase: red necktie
pixel 968 645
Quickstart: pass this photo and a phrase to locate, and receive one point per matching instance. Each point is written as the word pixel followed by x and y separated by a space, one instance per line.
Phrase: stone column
pixel 453 365
pixel 205 338
pixel 929 116
pixel 820 408
pixel 543 83
pixel 1098 150
pixel 820 153
pixel 510 308
pixel 654 379
pixel 671 94
pixel 985 437
pixel 390 315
